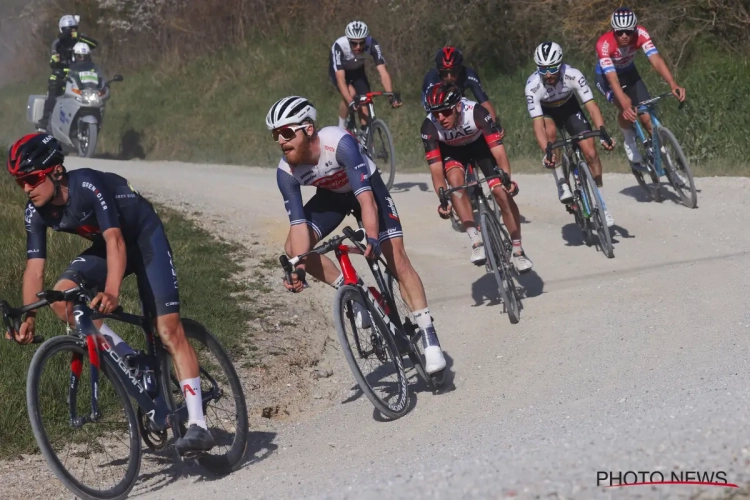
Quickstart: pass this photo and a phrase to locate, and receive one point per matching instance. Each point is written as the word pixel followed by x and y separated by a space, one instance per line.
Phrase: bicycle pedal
pixel 571 208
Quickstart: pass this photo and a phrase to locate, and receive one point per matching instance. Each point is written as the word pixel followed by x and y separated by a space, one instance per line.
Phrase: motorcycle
pixel 78 114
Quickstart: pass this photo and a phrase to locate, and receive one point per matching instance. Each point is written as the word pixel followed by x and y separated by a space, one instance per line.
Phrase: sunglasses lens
pixel 624 32
pixel 549 70
pixel 447 72
pixel 285 132
pixel 33 179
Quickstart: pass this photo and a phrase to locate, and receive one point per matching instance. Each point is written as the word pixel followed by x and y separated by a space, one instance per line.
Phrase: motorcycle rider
pixel 62 57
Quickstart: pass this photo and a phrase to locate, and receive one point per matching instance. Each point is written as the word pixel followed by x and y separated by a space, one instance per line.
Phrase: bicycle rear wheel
pixel 225 411
pixel 371 353
pixel 597 212
pixel 498 252
pixel 380 144
pixel 109 448
pixel 677 168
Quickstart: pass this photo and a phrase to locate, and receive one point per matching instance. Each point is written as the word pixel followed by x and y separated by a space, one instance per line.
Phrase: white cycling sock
pixel 558 174
pixel 339 281
pixel 342 122
pixel 628 142
pixel 423 318
pixel 473 235
pixel 191 389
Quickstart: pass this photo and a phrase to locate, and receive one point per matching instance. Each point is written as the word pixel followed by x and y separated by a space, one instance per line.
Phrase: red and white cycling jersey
pixel 612 57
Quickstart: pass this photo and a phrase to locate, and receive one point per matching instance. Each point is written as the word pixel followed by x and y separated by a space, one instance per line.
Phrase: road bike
pixel 670 160
pixel 374 350
pixel 375 135
pixel 94 419
pixel 587 205
pixel 498 246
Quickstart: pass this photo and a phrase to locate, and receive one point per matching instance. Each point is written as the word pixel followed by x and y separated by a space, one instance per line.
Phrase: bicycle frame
pixel 649 107
pixel 574 160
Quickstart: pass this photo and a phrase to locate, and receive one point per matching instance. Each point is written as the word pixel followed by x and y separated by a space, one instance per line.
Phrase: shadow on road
pixel 130 147
pixel 403 187
pixel 171 468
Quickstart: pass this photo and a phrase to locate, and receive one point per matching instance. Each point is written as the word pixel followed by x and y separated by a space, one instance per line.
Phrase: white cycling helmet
pixel 624 19
pixel 356 30
pixel 81 49
pixel 290 110
pixel 68 22
pixel 548 54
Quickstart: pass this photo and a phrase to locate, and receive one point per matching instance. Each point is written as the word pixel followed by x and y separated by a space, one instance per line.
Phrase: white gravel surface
pixel 634 363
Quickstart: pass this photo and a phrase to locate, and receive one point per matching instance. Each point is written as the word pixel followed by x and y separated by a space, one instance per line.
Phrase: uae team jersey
pixel 612 57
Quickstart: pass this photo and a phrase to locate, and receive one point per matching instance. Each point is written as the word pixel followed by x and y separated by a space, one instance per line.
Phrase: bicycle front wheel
pixel 99 459
pixel 225 410
pixel 382 150
pixel 496 247
pixel 371 352
pixel 677 168
pixel 597 212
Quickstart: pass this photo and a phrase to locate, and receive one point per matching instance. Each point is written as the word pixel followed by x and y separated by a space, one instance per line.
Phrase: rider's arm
pixel 88 40
pixel 534 92
pixel 299 233
pixel 432 154
pixel 36 254
pixel 657 61
pixel 377 57
pixel 586 96
pixel 493 134
pixel 33 282
pixel 385 77
pixel 475 84
pixel 337 56
pixel 116 260
pixel 357 169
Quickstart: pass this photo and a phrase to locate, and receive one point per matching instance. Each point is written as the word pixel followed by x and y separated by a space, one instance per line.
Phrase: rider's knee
pixel 170 330
pixel 63 310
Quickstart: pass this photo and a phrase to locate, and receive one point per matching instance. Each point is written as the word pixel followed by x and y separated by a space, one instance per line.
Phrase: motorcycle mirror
pixel 77 18
pixel 117 78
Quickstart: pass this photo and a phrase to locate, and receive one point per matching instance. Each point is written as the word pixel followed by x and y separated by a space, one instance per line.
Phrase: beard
pixel 295 156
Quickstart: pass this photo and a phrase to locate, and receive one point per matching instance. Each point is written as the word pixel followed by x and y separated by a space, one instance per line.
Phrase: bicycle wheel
pixel 371 353
pixel 110 447
pixel 654 191
pixel 677 167
pixel 498 263
pixel 405 318
pixel 597 212
pixel 380 143
pixel 225 411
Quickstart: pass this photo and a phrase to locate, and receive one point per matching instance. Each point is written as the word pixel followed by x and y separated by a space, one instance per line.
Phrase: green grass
pixel 213 108
pixel 208 291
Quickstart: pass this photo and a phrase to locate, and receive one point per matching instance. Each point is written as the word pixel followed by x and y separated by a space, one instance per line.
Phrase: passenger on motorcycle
pixel 550 97
pixel 127 238
pixel 615 68
pixel 62 57
pixel 449 68
pixel 456 132
pixel 347 181
pixel 347 69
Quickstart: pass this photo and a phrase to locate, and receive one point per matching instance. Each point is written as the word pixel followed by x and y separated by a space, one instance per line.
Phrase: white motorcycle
pixel 78 114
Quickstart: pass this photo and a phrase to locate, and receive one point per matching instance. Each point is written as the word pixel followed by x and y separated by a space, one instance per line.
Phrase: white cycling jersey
pixel 539 94
pixel 467 129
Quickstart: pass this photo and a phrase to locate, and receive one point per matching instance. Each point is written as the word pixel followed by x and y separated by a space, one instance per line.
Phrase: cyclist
pixel 550 99
pixel 62 57
pixel 346 180
pixel 615 69
pixel 127 237
pixel 455 132
pixel 449 68
pixel 347 69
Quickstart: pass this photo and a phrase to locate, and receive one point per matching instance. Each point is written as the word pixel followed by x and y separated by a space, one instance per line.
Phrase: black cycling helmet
pixel 449 58
pixel 34 152
pixel 440 96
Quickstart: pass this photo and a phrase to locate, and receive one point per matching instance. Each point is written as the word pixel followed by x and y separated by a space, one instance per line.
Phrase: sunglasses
pixel 624 32
pixel 548 70
pixel 447 72
pixel 444 112
pixel 357 44
pixel 33 179
pixel 287 132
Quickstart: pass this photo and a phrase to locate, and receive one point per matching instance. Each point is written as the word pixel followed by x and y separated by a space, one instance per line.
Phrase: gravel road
pixel 634 363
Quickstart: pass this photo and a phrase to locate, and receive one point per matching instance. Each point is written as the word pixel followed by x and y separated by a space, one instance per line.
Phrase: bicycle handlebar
pixel 648 102
pixel 444 193
pixel 365 98
pixel 602 133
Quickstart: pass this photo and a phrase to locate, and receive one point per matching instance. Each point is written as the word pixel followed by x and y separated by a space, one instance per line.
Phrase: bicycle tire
pixel 229 461
pixel 498 264
pixel 655 193
pixel 597 213
pixel 38 362
pixel 345 295
pixel 666 135
pixel 389 150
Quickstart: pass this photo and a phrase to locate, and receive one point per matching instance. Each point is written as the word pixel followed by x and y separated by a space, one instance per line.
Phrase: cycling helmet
pixel 624 19
pixel 449 58
pixel 548 54
pixel 440 96
pixel 34 152
pixel 67 23
pixel 356 30
pixel 82 52
pixel 290 110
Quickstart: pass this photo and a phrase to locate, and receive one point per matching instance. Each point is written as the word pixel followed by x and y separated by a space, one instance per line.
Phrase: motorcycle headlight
pixel 91 96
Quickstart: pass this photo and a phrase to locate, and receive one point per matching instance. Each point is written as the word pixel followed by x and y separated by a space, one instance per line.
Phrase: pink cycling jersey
pixel 612 57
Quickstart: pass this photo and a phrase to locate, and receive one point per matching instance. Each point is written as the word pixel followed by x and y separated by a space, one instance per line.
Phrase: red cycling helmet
pixel 449 58
pixel 34 152
pixel 440 96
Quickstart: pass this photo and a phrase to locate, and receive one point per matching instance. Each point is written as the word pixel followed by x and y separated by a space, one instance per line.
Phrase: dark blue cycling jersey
pixel 468 79
pixel 97 201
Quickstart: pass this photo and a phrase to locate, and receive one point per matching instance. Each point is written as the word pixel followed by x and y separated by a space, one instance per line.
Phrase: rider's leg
pixel 343 112
pixel 455 174
pixel 319 266
pixel 361 86
pixel 563 190
pixel 412 290
pixel 55 87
